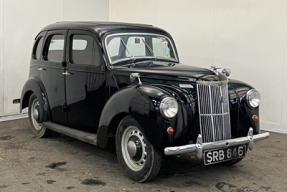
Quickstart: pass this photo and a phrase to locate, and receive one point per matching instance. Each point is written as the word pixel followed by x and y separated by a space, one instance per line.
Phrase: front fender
pixel 34 85
pixel 141 102
pixel 240 113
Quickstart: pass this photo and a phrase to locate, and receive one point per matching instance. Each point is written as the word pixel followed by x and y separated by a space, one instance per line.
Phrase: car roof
pixel 102 28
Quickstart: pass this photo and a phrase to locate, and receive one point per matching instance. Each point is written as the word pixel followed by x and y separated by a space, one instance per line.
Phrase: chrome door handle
pixel 41 69
pixel 67 73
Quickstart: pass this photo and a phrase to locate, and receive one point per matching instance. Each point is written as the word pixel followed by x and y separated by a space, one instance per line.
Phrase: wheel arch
pixel 135 101
pixel 25 100
pixel 34 85
pixel 113 125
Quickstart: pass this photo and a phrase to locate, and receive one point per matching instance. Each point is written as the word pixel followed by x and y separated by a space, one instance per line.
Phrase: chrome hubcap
pixel 35 115
pixel 134 148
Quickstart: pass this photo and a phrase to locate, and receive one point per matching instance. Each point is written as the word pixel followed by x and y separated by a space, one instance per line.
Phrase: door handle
pixel 67 73
pixel 41 69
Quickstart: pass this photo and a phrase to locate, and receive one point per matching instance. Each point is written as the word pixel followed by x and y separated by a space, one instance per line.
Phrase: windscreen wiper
pixel 132 56
pixel 148 47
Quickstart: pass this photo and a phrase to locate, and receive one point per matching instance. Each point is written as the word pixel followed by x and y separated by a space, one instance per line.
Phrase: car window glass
pixel 136 44
pixel 114 46
pixel 84 50
pixel 37 48
pixel 56 48
pixel 129 46
pixel 160 47
pixel 79 44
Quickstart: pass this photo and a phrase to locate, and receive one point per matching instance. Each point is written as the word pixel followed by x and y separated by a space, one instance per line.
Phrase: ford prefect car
pixel 97 81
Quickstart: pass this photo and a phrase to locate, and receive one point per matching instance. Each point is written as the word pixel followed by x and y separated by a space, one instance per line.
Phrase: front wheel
pixel 137 157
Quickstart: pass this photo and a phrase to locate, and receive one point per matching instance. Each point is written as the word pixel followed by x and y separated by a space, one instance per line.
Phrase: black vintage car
pixel 96 81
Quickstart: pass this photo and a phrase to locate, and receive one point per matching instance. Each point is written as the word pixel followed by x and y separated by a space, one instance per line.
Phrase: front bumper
pixel 199 147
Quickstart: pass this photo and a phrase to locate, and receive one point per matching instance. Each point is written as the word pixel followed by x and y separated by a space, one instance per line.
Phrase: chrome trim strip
pixel 222 109
pixel 151 34
pixel 212 83
pixel 211 113
pixel 215 114
pixel 199 108
pixel 199 147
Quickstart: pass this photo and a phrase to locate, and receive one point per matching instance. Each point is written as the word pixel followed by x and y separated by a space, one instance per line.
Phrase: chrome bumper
pixel 199 147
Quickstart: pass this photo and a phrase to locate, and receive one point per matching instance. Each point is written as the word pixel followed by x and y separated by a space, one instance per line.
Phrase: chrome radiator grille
pixel 213 105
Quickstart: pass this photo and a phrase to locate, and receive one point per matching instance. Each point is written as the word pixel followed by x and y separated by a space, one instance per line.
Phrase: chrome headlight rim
pixel 248 97
pixel 163 102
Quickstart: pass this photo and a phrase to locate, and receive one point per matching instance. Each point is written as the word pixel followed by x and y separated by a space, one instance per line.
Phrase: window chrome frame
pixel 138 57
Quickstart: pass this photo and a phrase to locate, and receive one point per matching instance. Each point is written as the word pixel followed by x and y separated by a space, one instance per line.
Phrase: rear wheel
pixel 34 116
pixel 137 157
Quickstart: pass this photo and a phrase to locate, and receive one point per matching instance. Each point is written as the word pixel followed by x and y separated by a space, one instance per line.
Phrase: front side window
pixel 56 48
pixel 121 47
pixel 84 50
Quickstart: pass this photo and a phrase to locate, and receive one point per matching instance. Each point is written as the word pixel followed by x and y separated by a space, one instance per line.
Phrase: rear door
pixel 52 74
pixel 36 66
pixel 85 81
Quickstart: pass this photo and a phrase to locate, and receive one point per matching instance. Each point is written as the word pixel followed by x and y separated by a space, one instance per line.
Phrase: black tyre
pixel 137 157
pixel 231 162
pixel 34 116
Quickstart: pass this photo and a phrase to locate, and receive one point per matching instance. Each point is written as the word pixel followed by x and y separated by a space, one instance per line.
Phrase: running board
pixel 80 135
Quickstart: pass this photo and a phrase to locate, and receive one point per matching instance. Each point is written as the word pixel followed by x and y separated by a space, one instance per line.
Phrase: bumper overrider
pixel 199 147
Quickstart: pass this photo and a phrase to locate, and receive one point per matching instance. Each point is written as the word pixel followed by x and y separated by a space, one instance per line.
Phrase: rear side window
pixel 84 50
pixel 56 48
pixel 37 48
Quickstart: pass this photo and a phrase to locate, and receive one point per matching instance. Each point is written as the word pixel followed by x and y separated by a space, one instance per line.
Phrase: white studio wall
pixel 20 22
pixel 1 61
pixel 247 36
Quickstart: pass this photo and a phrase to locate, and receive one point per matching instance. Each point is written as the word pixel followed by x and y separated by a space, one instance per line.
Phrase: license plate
pixel 220 155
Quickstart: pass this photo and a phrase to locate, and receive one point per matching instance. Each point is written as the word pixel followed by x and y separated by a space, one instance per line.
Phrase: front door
pixel 85 81
pixel 52 74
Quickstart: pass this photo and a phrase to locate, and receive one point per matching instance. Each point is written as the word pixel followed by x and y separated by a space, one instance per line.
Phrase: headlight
pixel 168 107
pixel 253 98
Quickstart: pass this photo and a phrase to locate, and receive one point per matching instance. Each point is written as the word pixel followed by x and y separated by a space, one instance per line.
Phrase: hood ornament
pixel 135 76
pixel 213 69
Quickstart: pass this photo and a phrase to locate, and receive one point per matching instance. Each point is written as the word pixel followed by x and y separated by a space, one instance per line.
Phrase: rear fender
pixel 34 85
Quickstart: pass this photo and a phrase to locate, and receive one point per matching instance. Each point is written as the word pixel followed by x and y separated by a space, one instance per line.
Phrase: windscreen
pixel 122 47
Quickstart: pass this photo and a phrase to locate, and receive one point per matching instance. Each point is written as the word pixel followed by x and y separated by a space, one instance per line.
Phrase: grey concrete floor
pixel 61 163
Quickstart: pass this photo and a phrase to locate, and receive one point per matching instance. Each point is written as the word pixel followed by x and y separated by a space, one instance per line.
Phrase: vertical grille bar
pixel 213 105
